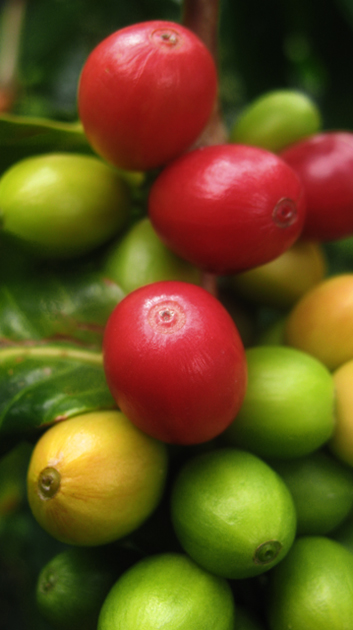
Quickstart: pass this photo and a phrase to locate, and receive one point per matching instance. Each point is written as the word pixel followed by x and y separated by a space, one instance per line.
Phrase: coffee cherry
pixel 227 208
pixel 174 362
pixel 276 119
pixel 140 258
pixel 63 205
pixel 94 478
pixel 145 94
pixel 324 163
pixel 283 281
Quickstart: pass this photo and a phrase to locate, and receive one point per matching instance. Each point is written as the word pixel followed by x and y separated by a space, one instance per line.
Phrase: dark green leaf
pixel 66 305
pixel 22 136
pixel 41 384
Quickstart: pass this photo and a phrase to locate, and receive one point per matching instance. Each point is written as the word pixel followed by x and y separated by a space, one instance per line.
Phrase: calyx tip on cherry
pixel 166 37
pixel 267 552
pixel 49 482
pixel 285 213
pixel 166 316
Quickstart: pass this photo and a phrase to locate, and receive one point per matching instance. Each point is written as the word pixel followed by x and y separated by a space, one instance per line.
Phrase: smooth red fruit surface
pixel 324 163
pixel 146 93
pixel 174 362
pixel 227 208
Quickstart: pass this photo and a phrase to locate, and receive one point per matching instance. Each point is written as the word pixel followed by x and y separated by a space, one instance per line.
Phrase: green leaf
pixel 42 384
pixel 22 136
pixel 71 305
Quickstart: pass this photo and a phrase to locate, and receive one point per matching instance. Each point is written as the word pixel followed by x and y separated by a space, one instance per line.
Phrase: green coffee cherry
pixel 72 585
pixel 277 119
pixel 63 205
pixel 141 258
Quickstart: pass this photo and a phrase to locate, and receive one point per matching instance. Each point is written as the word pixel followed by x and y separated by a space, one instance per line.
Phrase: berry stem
pixel 209 282
pixel 202 17
pixel 12 17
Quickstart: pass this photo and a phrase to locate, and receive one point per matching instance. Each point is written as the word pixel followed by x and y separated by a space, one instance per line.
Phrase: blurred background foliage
pixel 305 44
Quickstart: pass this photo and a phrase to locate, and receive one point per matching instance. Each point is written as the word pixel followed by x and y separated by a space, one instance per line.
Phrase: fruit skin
pixel 174 362
pixel 111 478
pixel 63 205
pixel 321 322
pixel 322 489
pixel 232 513
pixel 276 119
pixel 312 588
pixel 227 208
pixel 140 258
pixel 344 533
pixel 324 163
pixel 282 282
pixel 168 591
pixel 341 443
pixel 288 408
pixel 72 586
pixel 145 94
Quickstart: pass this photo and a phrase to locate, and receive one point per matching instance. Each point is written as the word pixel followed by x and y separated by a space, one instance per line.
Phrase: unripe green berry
pixel 277 119
pixel 62 205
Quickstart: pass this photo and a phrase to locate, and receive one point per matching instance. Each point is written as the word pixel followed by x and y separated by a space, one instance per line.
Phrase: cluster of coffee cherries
pixel 173 357
pixel 146 93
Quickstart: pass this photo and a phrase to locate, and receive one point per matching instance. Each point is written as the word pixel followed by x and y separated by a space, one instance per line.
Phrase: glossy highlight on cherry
pixel 285 213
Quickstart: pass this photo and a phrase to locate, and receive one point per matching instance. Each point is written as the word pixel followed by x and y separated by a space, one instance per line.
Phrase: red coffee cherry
pixel 227 208
pixel 174 362
pixel 324 163
pixel 145 94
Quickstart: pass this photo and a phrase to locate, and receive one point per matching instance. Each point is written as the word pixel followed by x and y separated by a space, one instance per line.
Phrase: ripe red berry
pixel 227 208
pixel 324 162
pixel 146 93
pixel 174 362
